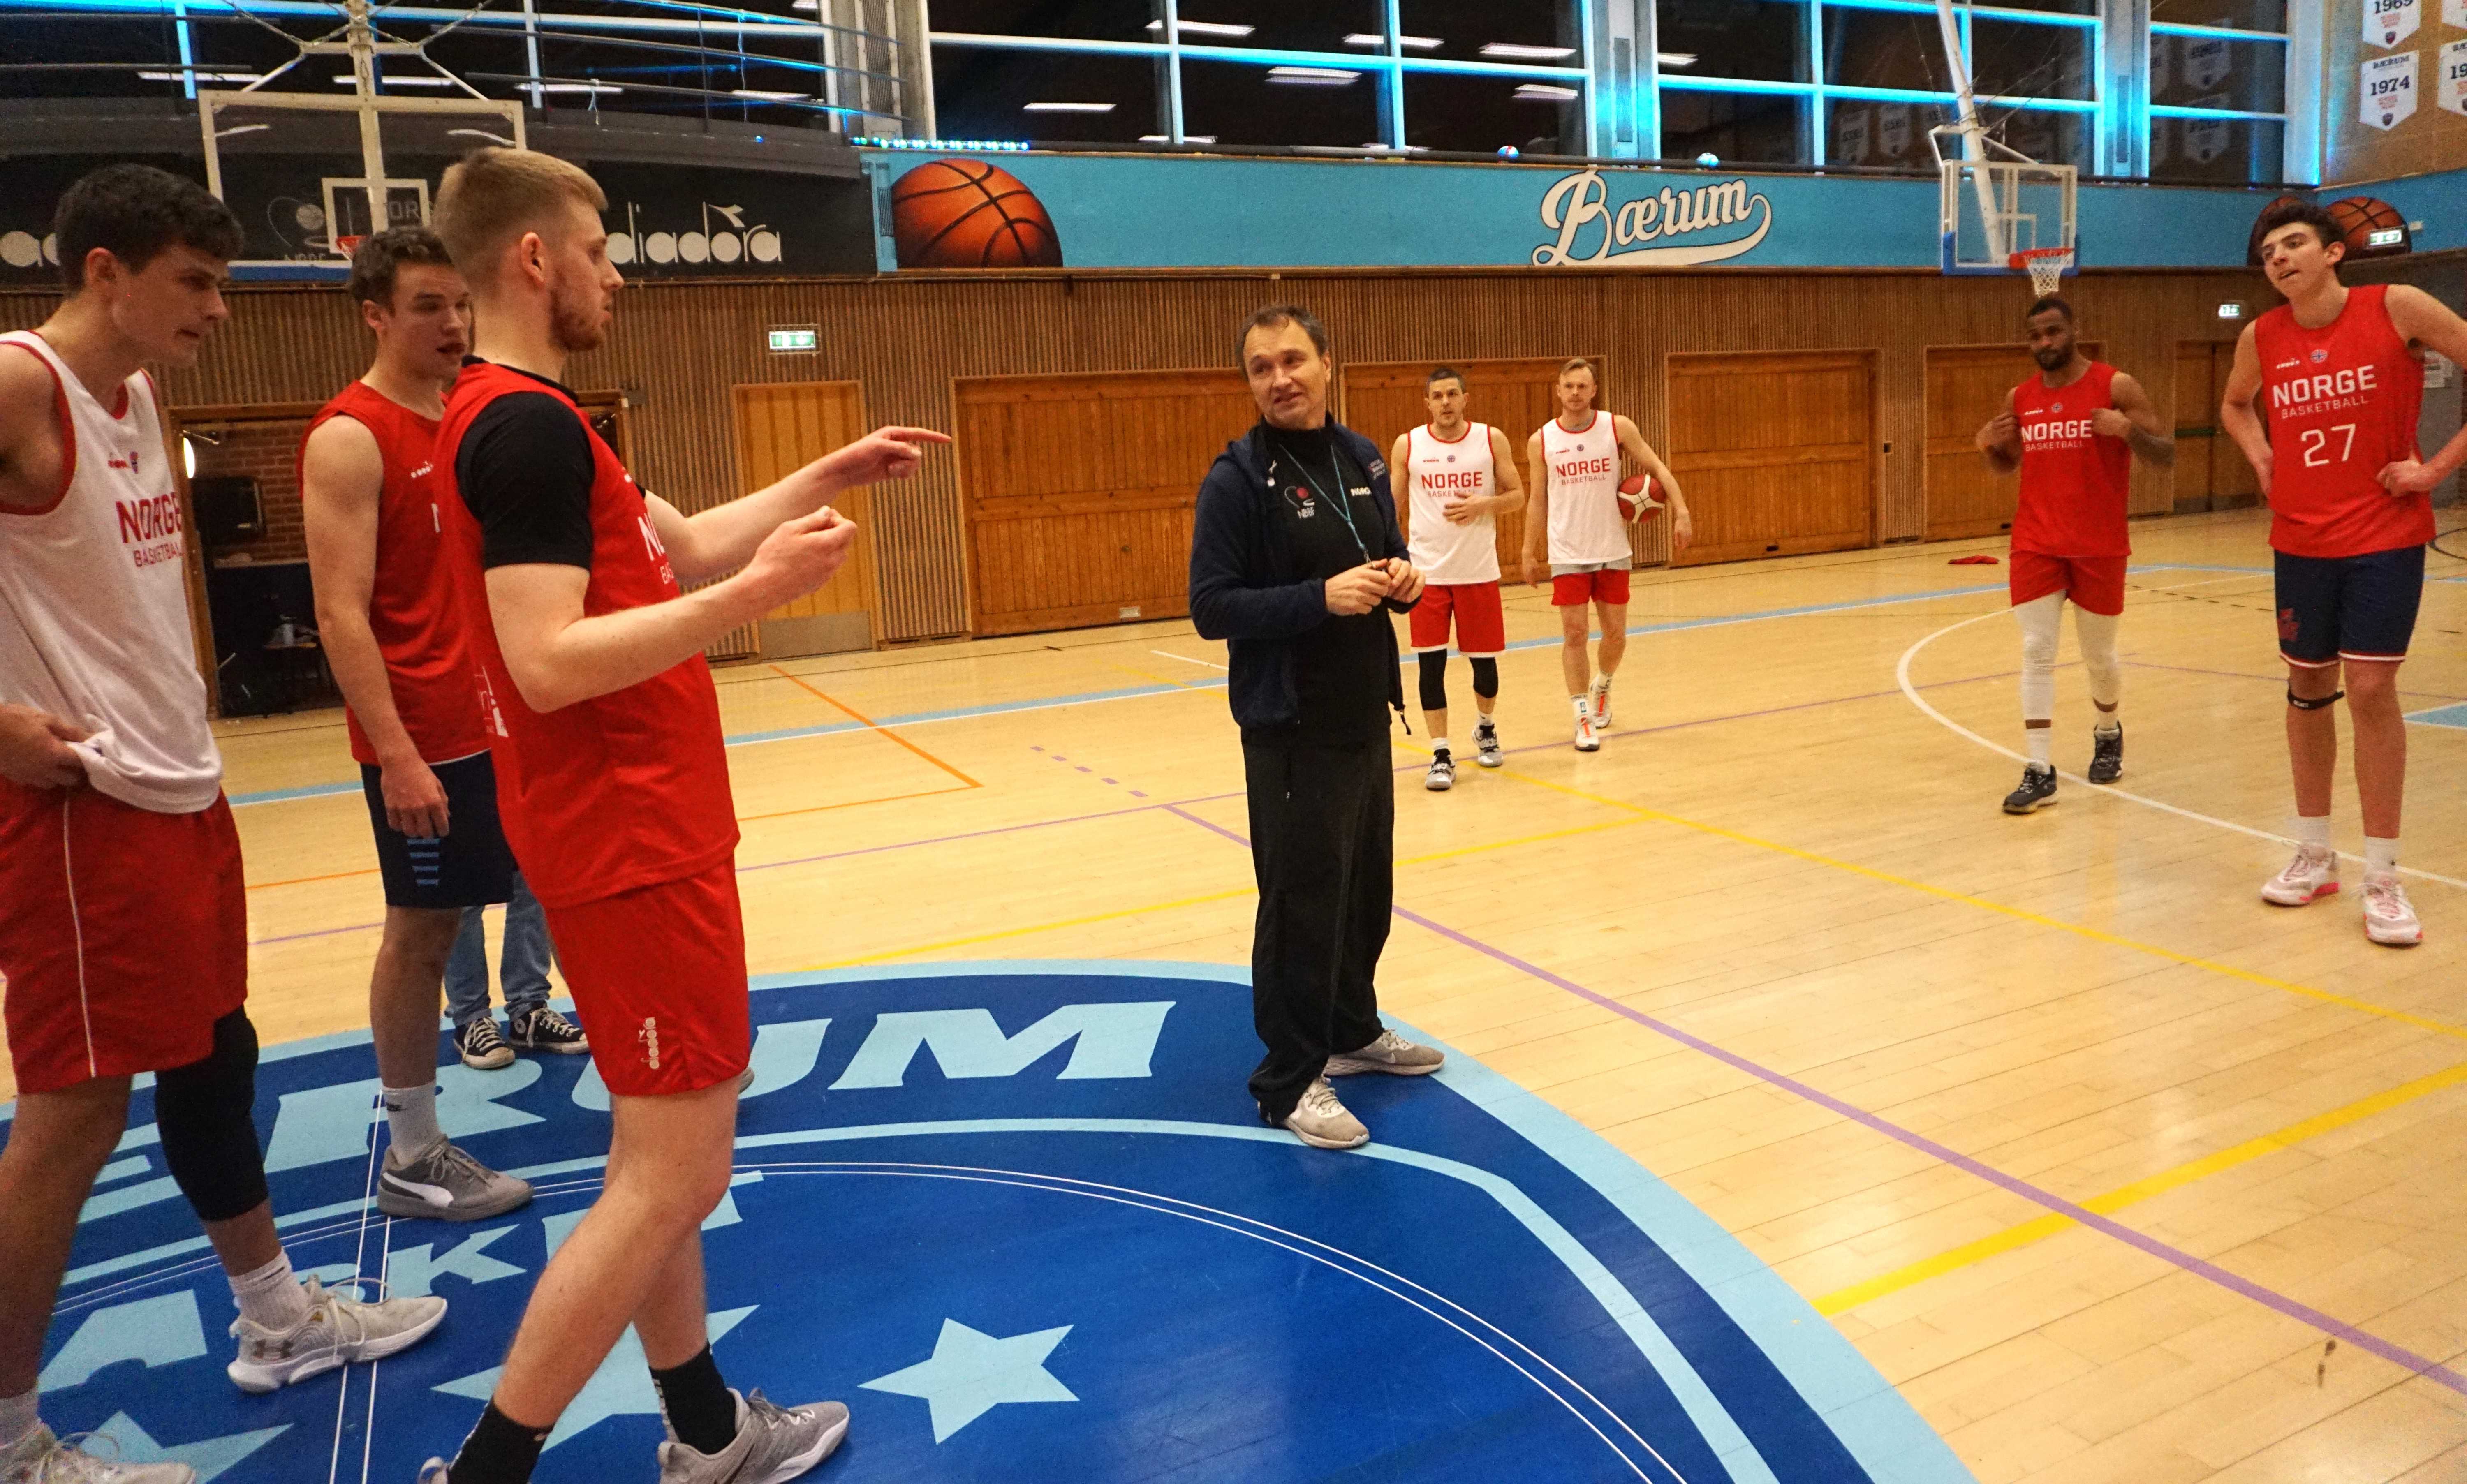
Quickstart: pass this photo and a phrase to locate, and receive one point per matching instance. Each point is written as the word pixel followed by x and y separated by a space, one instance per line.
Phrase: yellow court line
pixel 2023 914
pixel 2013 1238
pixel 1520 840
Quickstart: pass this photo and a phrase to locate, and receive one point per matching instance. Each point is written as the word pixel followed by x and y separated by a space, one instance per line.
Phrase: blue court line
pixel 1133 692
pixel 2441 716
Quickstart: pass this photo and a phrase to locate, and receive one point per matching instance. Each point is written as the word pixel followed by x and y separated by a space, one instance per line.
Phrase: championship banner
pixel 2387 97
pixel 2453 71
pixel 2390 22
pixel 2453 12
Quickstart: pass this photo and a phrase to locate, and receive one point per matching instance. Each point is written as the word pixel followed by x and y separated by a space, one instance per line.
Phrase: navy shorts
pixel 471 866
pixel 2334 608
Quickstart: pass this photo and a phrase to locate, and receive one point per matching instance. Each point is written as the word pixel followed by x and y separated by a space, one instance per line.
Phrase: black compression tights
pixel 1434 679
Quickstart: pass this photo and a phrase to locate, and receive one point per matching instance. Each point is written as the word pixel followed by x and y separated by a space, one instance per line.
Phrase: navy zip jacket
pixel 1247 584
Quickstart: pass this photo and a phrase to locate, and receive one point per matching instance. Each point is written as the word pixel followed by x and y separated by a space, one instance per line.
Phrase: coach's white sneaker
pixel 1588 740
pixel 1390 1053
pixel 2314 872
pixel 1321 1122
pixel 1602 701
pixel 2388 916
pixel 41 1458
pixel 339 1331
pixel 773 1444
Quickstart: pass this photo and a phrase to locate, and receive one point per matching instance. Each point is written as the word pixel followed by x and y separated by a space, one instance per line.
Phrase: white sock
pixel 1584 705
pixel 1440 746
pixel 2314 832
pixel 411 1116
pixel 2109 724
pixel 2043 747
pixel 1484 725
pixel 271 1297
pixel 17 1419
pixel 2381 856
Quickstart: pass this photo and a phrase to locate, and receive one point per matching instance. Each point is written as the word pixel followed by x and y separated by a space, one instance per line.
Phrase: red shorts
pixel 1482 628
pixel 1576 589
pixel 658 976
pixel 123 933
pixel 2093 583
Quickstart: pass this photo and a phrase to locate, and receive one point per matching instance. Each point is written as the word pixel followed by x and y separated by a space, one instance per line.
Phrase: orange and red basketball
pixel 2358 217
pixel 966 214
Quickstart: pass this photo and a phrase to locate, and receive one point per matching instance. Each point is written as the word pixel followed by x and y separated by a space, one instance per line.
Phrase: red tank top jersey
pixel 623 791
pixel 2340 402
pixel 418 623
pixel 2075 483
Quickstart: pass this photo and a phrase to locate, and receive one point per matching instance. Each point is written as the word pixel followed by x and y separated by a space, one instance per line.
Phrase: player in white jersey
pixel 124 927
pixel 1455 478
pixel 1576 463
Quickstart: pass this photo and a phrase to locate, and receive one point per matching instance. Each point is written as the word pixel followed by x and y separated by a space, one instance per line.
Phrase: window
pixel 1753 40
pixel 1484 30
pixel 1078 20
pixel 1482 114
pixel 1736 129
pixel 986 93
pixel 1883 136
pixel 1240 103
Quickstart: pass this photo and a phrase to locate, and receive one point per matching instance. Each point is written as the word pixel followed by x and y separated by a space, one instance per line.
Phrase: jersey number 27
pixel 2317 444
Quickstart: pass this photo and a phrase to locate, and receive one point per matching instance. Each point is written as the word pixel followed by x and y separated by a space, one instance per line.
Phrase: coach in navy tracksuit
pixel 1295 562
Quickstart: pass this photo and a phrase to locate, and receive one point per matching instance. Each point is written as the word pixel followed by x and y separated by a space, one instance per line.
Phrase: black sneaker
pixel 2038 790
pixel 1486 746
pixel 481 1048
pixel 1442 776
pixel 2107 756
pixel 545 1030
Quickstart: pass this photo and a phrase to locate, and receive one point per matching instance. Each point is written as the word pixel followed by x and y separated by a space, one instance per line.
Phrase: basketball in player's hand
pixel 1637 504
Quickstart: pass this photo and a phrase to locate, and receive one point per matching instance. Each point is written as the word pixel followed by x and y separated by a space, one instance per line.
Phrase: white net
pixel 2046 266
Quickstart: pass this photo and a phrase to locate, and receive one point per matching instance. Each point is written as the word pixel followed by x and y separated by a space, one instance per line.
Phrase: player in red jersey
pixel 124 921
pixel 2351 513
pixel 394 637
pixel 614 787
pixel 2074 431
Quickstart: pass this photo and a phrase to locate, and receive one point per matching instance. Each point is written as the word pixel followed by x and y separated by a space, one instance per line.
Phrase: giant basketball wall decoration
pixel 2361 218
pixel 966 214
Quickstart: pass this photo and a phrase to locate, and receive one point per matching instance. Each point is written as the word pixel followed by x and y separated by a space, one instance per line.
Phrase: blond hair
pixel 492 195
pixel 1580 363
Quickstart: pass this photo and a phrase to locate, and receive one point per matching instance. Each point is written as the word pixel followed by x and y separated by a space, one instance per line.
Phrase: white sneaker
pixel 1321 1122
pixel 1442 776
pixel 1587 739
pixel 1602 701
pixel 2388 916
pixel 1392 1054
pixel 773 1445
pixel 2314 872
pixel 41 1458
pixel 339 1331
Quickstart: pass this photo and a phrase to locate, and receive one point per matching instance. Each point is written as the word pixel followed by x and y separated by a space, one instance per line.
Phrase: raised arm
pixel 721 539
pixel 342 477
pixel 2136 421
pixel 1537 515
pixel 1998 438
pixel 1683 526
pixel 2428 322
pixel 2236 411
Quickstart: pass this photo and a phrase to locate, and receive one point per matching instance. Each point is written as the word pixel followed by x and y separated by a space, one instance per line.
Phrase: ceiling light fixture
pixel 1187 139
pixel 1052 107
pixel 202 77
pixel 1527 53
pixel 1414 43
pixel 767 95
pixel 1313 77
pixel 1675 59
pixel 1546 92
pixel 1205 27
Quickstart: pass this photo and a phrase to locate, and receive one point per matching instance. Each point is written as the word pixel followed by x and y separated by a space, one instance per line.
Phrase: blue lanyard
pixel 1343 502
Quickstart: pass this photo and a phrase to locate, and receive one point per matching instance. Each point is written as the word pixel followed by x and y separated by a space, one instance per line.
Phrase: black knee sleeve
pixel 203 1111
pixel 2313 703
pixel 1485 678
pixel 1434 679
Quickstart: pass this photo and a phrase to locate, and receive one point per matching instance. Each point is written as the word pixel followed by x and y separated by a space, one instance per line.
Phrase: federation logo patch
pixel 1024 1219
pixel 2319 356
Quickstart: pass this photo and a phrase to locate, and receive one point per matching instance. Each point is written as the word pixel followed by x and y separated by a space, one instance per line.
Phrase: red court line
pixel 871 724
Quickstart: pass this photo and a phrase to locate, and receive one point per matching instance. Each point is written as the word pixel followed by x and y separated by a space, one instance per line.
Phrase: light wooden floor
pixel 1775 941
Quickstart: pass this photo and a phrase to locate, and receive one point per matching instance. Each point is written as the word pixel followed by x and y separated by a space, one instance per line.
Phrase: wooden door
pixel 1383 400
pixel 1077 491
pixel 781 427
pixel 2211 472
pixel 1776 452
pixel 1966 386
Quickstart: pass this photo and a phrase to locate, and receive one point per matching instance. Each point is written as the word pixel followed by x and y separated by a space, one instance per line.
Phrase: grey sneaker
pixel 447 1185
pixel 773 1444
pixel 1321 1122
pixel 340 1330
pixel 1390 1053
pixel 41 1458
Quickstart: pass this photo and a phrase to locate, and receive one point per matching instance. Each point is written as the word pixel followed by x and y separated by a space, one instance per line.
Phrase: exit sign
pixel 794 339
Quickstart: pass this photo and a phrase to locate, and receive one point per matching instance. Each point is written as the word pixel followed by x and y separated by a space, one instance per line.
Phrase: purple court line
pixel 2195 670
pixel 2269 1298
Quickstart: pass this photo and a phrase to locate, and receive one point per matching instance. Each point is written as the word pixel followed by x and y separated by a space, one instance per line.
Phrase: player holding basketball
pixel 1458 478
pixel 2074 431
pixel 613 781
pixel 123 923
pixel 2350 513
pixel 1575 483
pixel 394 635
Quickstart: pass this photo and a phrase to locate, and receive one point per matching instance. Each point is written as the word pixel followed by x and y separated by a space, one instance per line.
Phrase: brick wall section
pixel 269 453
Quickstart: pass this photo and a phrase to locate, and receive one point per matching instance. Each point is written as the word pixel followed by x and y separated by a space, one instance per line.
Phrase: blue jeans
pixel 522 972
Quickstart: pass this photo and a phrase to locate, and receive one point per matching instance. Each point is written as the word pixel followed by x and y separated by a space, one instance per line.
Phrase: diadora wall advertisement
pixel 1014 210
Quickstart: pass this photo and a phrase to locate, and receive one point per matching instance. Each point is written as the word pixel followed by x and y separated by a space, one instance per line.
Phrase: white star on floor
pixel 971 1373
pixel 622 1385
pixel 208 1456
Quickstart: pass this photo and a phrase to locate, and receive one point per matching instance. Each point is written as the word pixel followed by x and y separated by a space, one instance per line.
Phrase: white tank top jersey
pixel 94 602
pixel 1584 468
pixel 1444 473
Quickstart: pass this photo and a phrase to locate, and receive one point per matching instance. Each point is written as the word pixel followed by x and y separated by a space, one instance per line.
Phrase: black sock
pixel 500 1451
pixel 697 1404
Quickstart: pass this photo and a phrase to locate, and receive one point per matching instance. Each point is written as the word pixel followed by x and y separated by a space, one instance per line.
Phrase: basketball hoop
pixel 2046 267
pixel 348 245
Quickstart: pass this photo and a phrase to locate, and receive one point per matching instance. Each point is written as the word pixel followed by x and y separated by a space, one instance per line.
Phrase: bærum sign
pixel 1709 223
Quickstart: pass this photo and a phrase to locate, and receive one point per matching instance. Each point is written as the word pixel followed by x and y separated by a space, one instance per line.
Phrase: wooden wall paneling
pixel 1775 451
pixel 781 426
pixel 1383 400
pixel 1966 386
pixel 2211 473
pixel 1079 491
